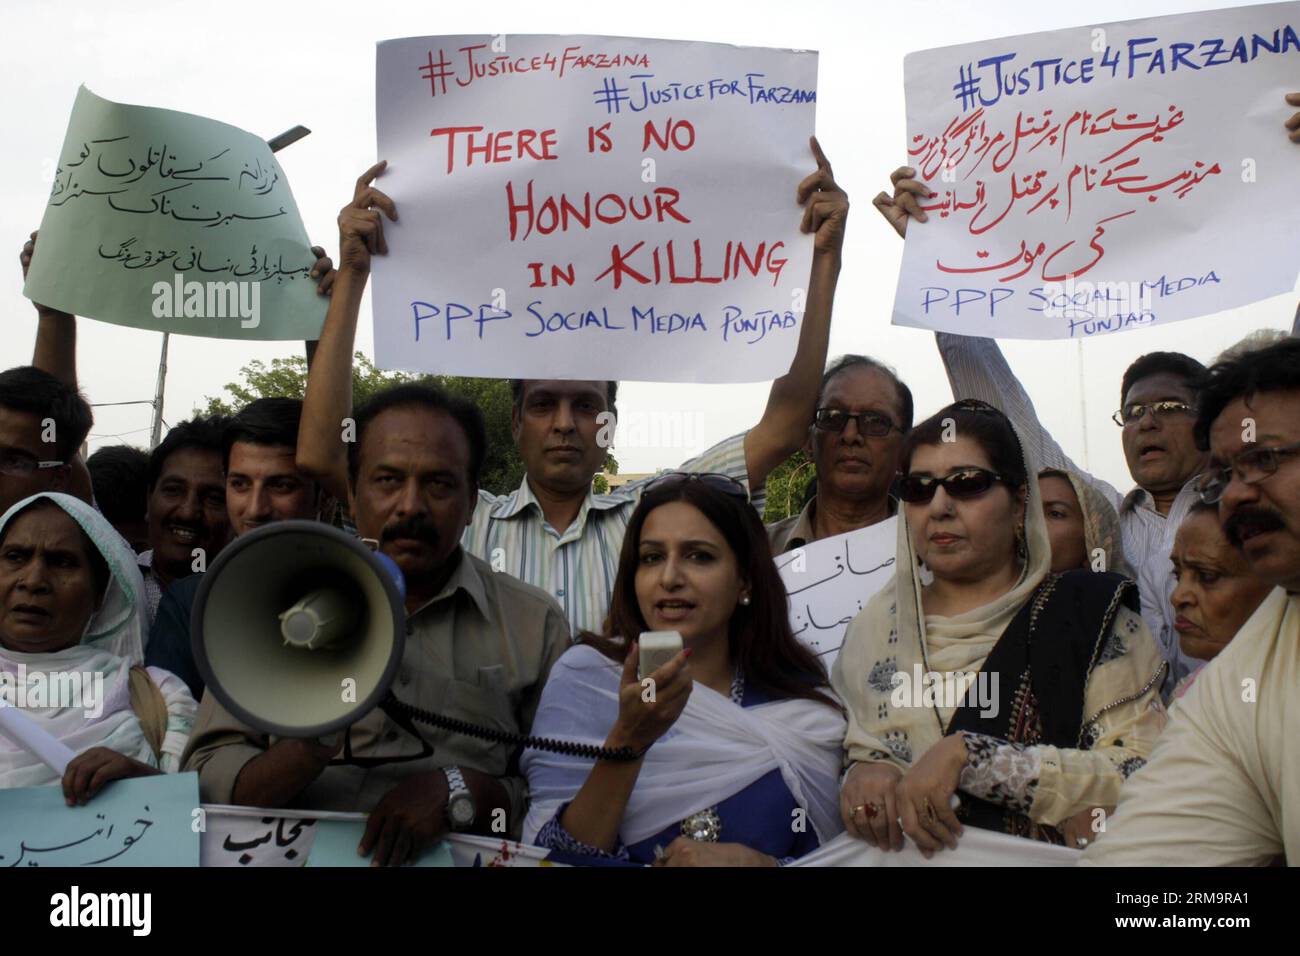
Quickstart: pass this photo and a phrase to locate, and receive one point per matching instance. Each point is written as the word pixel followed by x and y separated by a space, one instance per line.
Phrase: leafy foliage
pixel 787 486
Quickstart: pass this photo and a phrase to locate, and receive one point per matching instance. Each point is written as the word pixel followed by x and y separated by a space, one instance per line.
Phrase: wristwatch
pixel 460 802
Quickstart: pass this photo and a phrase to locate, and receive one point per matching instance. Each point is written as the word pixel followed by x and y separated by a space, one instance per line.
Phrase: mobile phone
pixel 657 649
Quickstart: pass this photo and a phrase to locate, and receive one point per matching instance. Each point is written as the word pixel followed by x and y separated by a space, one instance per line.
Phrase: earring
pixel 744 600
pixel 1022 552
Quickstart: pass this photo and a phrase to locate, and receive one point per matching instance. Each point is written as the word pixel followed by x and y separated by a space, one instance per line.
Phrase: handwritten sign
pixel 592 207
pixel 252 837
pixel 143 821
pixel 831 580
pixel 244 836
pixel 1098 179
pixel 169 221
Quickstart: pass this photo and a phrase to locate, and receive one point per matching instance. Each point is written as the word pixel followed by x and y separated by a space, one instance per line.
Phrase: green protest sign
pixel 168 221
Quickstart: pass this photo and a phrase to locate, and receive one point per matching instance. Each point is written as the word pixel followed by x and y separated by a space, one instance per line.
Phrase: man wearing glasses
pixel 863 412
pixel 42 424
pixel 1233 731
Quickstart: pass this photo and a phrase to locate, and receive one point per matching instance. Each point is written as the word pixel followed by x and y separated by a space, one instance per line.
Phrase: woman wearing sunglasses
pixel 739 735
pixel 977 671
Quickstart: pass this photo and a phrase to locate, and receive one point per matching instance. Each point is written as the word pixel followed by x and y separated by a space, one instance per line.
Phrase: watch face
pixel 462 810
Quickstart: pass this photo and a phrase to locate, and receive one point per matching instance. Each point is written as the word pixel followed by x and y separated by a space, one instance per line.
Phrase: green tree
pixel 503 469
pixel 287 378
pixel 787 485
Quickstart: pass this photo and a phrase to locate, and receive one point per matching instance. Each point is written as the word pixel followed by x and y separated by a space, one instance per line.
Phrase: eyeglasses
pixel 869 423
pixel 1250 467
pixel 967 483
pixel 17 464
pixel 1134 411
pixel 723 483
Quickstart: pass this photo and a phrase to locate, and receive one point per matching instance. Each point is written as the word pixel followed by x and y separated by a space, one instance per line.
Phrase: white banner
pixel 592 207
pixel 248 836
pixel 1104 177
pixel 831 580
pixel 976 847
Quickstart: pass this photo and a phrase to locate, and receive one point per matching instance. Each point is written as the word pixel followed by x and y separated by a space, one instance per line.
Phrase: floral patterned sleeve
pixel 1000 771
pixel 1124 715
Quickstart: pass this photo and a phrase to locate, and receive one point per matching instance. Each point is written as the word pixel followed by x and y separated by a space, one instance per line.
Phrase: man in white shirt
pixel 1222 786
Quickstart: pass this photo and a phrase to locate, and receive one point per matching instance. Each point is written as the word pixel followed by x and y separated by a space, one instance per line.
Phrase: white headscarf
pixel 714 750
pixel 111 643
pixel 119 624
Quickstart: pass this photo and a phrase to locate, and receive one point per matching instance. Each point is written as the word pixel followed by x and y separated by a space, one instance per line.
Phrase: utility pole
pixel 155 430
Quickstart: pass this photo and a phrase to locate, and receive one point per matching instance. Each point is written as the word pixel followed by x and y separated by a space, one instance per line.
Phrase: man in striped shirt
pixel 553 531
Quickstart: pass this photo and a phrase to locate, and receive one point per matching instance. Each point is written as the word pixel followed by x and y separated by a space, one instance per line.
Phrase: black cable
pixel 587 751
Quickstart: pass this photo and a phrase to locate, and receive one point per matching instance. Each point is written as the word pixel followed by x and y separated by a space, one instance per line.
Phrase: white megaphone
pixel 298 628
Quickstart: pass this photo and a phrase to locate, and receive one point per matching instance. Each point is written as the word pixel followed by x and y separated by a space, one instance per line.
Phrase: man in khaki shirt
pixel 479 648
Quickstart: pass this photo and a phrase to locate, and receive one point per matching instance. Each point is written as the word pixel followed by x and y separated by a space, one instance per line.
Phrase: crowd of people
pixel 1141 649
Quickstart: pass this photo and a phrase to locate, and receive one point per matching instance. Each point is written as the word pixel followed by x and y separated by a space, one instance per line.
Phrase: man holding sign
pixel 554 532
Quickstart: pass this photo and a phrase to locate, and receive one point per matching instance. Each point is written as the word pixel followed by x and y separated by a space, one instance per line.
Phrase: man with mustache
pixel 553 531
pixel 186 515
pixel 1220 786
pixel 479 645
pixel 262 485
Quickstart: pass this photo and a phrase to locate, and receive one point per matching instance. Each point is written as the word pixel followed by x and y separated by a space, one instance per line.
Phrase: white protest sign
pixel 830 581
pixel 592 207
pixel 256 837
pixel 1104 177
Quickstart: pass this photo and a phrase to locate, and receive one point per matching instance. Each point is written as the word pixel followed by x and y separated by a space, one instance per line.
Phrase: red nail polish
pixel 689 651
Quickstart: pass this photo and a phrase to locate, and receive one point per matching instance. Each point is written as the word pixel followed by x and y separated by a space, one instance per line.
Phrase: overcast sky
pixel 270 66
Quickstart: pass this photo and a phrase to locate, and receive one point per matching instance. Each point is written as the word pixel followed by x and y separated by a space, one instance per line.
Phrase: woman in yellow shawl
pixel 979 672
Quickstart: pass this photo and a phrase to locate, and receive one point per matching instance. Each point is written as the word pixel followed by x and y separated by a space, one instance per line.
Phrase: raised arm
pixel 56 332
pixel 793 397
pixel 975 366
pixel 328 401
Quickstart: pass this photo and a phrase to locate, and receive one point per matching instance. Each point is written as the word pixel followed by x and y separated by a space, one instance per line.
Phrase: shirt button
pixel 391 736
pixel 404 678
pixel 410 628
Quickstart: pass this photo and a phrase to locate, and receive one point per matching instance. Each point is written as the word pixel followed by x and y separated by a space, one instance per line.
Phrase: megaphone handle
pixel 588 751
pixel 403 721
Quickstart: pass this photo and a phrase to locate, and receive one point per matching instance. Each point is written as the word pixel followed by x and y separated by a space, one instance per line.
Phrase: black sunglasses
pixel 966 483
pixel 872 424
pixel 723 483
